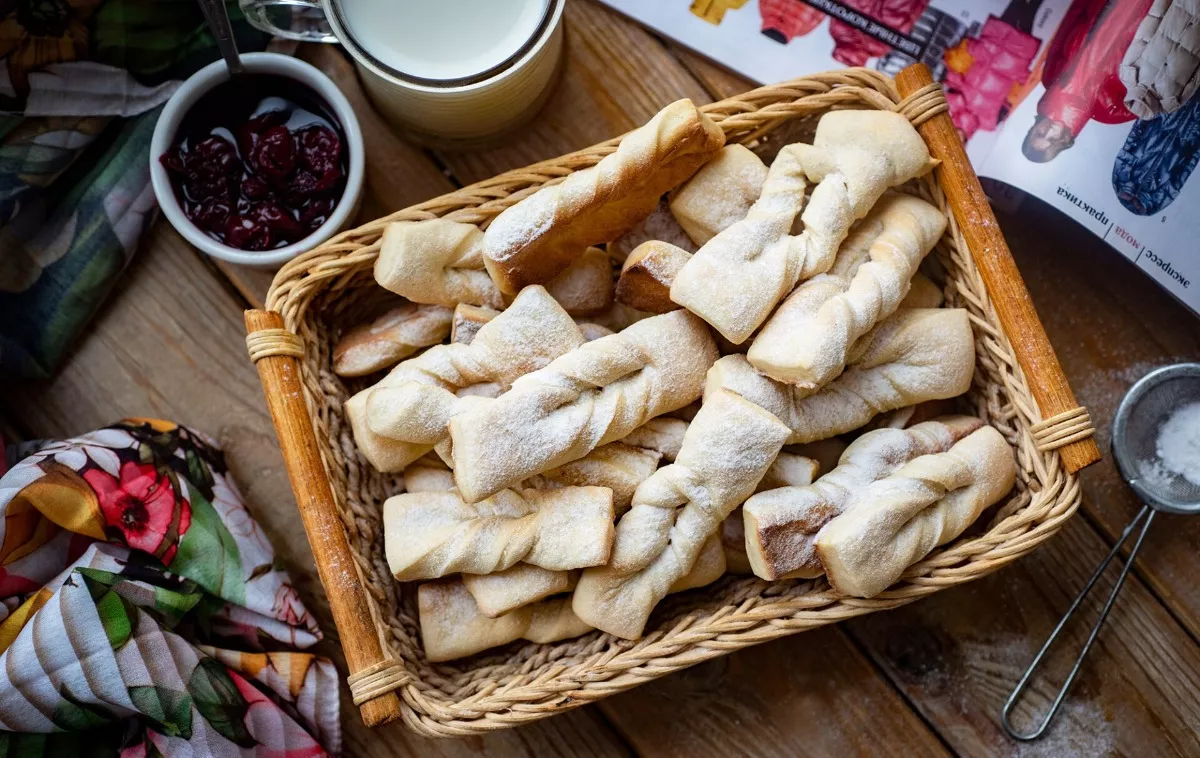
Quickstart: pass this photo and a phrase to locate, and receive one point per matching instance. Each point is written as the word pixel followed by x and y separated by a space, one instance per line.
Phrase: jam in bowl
pixel 260 168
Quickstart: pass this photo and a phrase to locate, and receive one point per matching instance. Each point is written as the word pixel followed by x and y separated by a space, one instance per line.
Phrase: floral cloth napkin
pixel 142 611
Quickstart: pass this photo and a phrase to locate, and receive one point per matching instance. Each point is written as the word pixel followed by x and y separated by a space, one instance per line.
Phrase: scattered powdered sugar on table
pixel 1179 444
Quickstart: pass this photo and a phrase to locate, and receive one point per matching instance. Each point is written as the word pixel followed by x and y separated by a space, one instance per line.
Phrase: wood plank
pixel 957 655
pixel 169 343
pixel 1110 325
pixel 398 173
pixel 616 76
pixel 813 694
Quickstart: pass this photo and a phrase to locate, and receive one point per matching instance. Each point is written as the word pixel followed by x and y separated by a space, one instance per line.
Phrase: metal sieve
pixel 1135 430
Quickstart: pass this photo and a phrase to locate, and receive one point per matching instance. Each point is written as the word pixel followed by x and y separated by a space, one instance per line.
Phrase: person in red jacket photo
pixel 1080 74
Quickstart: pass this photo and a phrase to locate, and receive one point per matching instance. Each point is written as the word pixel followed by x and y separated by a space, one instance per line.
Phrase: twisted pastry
pixel 719 194
pixel 435 261
pixel 806 341
pixel 522 584
pixel 411 415
pixel 781 523
pixel 898 520
pixel 726 450
pixel 432 534
pixel 735 280
pixel 535 239
pixel 393 336
pixel 453 626
pixel 597 393
pixel 915 355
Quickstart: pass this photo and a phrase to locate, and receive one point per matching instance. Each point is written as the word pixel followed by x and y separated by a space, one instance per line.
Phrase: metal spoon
pixel 218 20
pixel 1142 412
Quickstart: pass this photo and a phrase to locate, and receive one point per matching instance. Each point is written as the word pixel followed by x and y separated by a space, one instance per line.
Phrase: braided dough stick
pixel 720 193
pixel 522 584
pixel 586 286
pixel 806 341
pixel 597 393
pixel 534 240
pixel 418 478
pixel 432 534
pixel 735 280
pixel 726 451
pixel 452 625
pixel 392 337
pixel 781 524
pixel 913 356
pixel 897 521
pixel 435 261
pixel 528 335
pixel 647 274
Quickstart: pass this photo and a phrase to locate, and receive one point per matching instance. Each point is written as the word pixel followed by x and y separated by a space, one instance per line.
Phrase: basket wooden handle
pixel 275 351
pixel 1062 429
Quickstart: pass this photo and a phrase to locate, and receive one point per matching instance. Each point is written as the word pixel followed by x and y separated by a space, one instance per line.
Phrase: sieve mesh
pixel 1136 429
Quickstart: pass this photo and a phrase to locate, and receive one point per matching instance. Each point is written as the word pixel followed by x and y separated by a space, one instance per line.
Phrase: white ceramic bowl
pixel 204 80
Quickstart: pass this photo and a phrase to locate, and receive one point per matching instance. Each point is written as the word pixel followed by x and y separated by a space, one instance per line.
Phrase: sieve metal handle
pixel 1146 513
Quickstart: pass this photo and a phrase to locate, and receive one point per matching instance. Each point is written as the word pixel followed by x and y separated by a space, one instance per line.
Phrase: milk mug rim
pixel 256 15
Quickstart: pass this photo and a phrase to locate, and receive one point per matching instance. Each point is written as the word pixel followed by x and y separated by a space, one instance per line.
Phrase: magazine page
pixel 1110 135
pixel 983 51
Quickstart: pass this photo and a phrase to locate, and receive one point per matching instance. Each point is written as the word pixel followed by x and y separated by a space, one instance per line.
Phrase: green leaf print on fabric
pixel 95 743
pixel 209 554
pixel 73 715
pixel 171 710
pixel 218 700
pixel 117 615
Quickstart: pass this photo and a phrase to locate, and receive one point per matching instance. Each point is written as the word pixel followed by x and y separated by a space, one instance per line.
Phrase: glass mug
pixel 451 71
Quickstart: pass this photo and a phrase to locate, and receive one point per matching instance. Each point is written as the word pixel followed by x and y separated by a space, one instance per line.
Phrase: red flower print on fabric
pixel 142 508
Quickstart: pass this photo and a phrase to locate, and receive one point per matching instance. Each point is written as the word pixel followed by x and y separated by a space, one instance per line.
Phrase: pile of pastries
pixel 642 377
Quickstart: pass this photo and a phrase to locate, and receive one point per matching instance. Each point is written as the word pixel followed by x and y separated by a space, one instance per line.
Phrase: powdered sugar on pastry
pixel 720 193
pixel 735 280
pixel 432 534
pixel 533 240
pixel 597 393
pixel 807 339
pixel 527 336
pixel 899 519
pixel 435 261
pixel 586 286
pixel 514 587
pixel 781 524
pixel 393 336
pixel 726 450
pixel 915 355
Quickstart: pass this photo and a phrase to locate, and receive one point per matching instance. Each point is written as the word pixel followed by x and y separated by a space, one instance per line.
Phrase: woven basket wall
pixel 331 288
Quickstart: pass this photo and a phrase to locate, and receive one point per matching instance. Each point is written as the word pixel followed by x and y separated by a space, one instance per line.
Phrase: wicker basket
pixel 319 294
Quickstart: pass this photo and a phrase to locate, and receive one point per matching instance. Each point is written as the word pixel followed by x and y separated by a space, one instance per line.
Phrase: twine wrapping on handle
pixel 924 104
pixel 265 343
pixel 380 679
pixel 1063 429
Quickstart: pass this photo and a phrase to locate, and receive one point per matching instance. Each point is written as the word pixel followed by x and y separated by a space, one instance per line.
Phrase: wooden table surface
pixel 928 678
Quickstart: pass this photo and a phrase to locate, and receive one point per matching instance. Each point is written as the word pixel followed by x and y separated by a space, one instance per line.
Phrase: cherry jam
pixel 258 164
